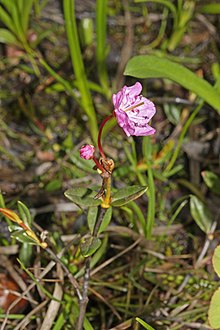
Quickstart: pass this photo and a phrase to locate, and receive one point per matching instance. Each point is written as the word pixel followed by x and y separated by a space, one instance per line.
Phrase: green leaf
pixel 25 12
pixel 78 65
pixel 213 314
pixel 211 8
pixel 144 324
pixel 7 20
pixel 127 194
pixel 106 220
pixel 212 181
pixel 201 214
pixel 216 260
pixel 82 197
pixel 6 37
pixel 24 213
pixel 21 236
pixel 89 245
pixel 91 217
pixel 25 253
pixel 96 257
pixel 150 66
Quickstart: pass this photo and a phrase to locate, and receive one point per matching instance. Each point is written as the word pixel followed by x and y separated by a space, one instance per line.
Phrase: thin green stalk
pixel 182 135
pixel 78 66
pixel 101 46
pixel 151 204
pixel 147 150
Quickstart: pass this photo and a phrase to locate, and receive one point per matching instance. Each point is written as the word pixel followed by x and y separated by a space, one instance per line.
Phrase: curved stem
pixel 100 134
pixel 98 164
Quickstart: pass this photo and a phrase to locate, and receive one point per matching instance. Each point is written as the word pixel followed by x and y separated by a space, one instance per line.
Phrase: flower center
pixel 133 106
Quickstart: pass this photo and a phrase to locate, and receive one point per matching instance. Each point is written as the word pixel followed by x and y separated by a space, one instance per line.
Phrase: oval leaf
pixel 89 245
pixel 212 181
pixel 127 194
pixel 24 213
pixel 200 214
pixel 216 260
pixel 150 66
pixel 82 197
pixel 91 218
pixel 213 314
pixel 106 220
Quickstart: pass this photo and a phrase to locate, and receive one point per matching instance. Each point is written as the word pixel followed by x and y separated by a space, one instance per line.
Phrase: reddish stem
pixel 98 164
pixel 100 133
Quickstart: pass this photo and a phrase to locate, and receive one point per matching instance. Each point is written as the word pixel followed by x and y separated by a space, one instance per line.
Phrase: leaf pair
pixel 84 197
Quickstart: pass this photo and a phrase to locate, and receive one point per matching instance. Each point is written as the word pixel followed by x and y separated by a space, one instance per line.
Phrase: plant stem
pixel 98 164
pixel 100 134
pixel 84 298
pixel 151 204
pixel 99 221
pixel 106 202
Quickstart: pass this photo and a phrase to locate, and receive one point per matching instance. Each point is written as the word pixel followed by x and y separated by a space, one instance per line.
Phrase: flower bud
pixel 87 151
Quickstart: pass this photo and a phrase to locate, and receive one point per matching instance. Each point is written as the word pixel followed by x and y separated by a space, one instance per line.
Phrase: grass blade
pixel 101 29
pixel 78 66
pixel 7 21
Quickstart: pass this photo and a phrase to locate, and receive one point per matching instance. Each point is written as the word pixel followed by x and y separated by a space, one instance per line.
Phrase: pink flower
pixel 87 151
pixel 133 111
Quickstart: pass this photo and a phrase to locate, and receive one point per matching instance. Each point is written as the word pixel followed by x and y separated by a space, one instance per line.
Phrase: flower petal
pixel 133 111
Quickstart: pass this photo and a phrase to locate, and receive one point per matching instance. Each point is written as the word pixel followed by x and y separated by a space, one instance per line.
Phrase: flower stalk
pixel 100 135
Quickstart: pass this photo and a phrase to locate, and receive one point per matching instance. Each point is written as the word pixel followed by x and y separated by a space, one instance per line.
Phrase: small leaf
pixel 201 214
pixel 91 218
pixel 24 213
pixel 150 66
pixel 89 245
pixel 144 324
pixel 212 181
pixel 213 313
pixel 106 220
pixel 82 197
pixel 11 215
pixel 127 194
pixel 216 260
pixel 22 237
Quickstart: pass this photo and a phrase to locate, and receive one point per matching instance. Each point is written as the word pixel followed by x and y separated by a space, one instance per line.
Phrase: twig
pixel 66 270
pixel 84 300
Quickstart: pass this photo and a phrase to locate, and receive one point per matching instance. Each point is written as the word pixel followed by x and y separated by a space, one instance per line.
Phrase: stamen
pixel 133 106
